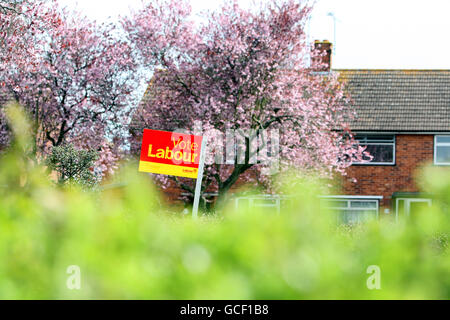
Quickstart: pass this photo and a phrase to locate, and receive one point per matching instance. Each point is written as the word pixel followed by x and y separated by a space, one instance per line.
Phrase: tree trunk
pixel 227 184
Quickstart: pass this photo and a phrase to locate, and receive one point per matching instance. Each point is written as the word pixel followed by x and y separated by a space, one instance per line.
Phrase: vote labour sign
pixel 170 153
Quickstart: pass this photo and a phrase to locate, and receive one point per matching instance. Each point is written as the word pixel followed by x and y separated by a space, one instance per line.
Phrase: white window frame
pixel 393 143
pixel 279 199
pixel 440 144
pixel 407 207
pixel 252 200
pixel 349 199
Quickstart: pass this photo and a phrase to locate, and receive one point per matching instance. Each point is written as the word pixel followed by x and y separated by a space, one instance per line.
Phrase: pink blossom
pixel 242 69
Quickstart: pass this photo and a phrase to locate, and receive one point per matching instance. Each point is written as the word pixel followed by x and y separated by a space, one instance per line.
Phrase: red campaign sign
pixel 170 153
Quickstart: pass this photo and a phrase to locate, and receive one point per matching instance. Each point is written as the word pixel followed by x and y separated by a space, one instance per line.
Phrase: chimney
pixel 321 56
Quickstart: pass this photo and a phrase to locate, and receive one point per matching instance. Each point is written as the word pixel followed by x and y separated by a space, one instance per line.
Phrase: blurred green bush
pixel 127 247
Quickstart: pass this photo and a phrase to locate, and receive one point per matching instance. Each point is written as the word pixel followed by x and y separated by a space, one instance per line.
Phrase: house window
pixel 380 147
pixel 410 207
pixel 352 210
pixel 442 150
pixel 273 202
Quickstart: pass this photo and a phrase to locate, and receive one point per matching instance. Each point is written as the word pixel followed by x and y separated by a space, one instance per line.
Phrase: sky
pixel 367 34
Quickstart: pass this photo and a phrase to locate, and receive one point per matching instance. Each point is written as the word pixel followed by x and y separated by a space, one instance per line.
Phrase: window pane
pixel 442 154
pixel 355 216
pixel 401 207
pixel 336 204
pixel 388 138
pixel 443 139
pixel 363 204
pixel 242 203
pixel 381 153
pixel 265 202
pixel 375 138
pixel 416 207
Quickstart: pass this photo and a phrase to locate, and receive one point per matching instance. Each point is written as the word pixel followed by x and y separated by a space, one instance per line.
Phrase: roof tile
pixel 399 100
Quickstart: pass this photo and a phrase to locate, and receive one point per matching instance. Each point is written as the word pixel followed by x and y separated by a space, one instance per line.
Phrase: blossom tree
pixel 242 70
pixel 15 29
pixel 17 23
pixel 78 85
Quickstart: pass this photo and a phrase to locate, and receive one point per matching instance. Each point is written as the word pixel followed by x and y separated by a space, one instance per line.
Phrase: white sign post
pixel 198 184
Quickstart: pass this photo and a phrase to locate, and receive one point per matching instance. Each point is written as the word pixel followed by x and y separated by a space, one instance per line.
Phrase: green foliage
pixel 127 248
pixel 72 165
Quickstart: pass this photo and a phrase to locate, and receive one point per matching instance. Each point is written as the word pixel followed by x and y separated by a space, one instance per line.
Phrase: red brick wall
pixel 411 152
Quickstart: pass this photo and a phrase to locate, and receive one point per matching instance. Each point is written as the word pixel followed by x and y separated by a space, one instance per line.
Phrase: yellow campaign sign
pixel 168 169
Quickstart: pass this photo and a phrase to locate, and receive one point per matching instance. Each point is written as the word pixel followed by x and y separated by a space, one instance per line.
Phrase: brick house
pixel 403 118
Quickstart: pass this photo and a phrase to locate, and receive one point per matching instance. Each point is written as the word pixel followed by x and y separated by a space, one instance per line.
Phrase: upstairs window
pixel 442 150
pixel 380 147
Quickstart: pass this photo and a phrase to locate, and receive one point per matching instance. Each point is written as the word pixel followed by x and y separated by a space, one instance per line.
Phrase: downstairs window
pixel 353 210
